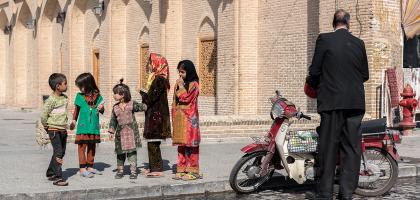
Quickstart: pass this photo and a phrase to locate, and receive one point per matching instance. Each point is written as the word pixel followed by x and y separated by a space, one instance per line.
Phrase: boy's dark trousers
pixel 58 141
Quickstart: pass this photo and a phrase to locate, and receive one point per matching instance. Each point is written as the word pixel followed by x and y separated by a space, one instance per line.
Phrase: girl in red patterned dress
pixel 186 133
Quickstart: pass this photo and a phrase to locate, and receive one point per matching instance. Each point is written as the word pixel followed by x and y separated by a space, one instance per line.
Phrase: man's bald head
pixel 341 18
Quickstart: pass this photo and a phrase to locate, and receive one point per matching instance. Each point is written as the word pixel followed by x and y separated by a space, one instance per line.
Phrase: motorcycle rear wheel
pixel 388 173
pixel 242 183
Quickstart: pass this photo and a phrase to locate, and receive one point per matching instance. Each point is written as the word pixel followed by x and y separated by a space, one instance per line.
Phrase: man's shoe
pixel 310 195
pixel 339 197
pixel 313 195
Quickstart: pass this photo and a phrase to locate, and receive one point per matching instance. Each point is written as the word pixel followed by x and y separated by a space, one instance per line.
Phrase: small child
pixel 124 128
pixel 54 119
pixel 88 104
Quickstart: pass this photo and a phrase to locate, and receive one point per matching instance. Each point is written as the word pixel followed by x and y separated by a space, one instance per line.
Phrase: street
pixel 24 165
pixel 405 189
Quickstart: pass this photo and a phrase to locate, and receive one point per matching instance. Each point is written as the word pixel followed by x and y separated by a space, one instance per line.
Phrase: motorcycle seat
pixel 373 126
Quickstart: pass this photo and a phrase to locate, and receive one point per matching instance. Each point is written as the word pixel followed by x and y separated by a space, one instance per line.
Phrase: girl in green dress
pixel 88 104
pixel 124 130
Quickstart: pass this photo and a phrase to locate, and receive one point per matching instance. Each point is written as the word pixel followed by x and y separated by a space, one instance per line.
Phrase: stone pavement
pixel 23 166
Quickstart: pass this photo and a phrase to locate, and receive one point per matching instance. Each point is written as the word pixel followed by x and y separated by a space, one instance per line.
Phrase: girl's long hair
pixel 192 75
pixel 87 82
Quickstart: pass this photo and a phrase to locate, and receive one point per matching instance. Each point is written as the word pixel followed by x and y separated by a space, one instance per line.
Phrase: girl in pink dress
pixel 186 132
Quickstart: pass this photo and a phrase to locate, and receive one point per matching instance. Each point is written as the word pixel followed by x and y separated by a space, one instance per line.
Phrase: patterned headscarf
pixel 159 68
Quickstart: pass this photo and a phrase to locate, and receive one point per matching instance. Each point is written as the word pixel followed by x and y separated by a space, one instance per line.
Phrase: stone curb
pixel 157 191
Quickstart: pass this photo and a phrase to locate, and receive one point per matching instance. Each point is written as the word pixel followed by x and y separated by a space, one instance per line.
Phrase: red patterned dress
pixel 186 132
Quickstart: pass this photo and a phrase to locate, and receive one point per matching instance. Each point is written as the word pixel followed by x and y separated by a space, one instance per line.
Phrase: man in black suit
pixel 339 69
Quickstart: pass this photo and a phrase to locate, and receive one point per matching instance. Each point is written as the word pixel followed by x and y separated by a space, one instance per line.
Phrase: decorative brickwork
pixel 144 57
pixel 208 67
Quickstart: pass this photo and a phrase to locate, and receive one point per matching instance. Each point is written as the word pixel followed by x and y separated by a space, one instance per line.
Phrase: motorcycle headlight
pixel 276 110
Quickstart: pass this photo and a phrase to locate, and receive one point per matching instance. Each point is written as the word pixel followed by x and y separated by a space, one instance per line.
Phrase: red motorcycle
pixel 293 153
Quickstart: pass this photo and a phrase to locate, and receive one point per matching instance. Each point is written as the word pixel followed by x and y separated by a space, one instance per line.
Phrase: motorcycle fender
pixel 393 152
pixel 372 145
pixel 253 148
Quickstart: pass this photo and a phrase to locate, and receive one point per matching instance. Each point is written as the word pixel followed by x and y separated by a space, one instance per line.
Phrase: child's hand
pixel 73 125
pixel 100 109
pixel 180 82
pixel 111 136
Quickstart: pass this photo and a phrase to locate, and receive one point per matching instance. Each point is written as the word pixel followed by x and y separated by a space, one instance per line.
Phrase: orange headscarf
pixel 159 68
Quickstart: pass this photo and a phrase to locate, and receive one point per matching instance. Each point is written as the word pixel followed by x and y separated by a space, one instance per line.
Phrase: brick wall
pixel 261 46
pixel 285 43
pixel 227 58
pixel 138 13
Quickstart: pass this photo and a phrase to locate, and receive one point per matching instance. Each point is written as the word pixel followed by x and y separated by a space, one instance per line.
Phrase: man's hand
pixel 111 136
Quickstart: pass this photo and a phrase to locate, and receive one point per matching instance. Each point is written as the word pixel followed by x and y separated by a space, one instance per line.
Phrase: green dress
pixel 88 121
pixel 124 125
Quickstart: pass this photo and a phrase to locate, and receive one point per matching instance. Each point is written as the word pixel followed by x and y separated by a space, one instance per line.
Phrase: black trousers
pixel 339 133
pixel 155 157
pixel 58 142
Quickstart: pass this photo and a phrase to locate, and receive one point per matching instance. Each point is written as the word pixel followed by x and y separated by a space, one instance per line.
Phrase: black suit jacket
pixel 339 69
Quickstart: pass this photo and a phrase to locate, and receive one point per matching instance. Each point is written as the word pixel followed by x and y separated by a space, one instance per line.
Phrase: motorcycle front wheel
pixel 381 173
pixel 244 177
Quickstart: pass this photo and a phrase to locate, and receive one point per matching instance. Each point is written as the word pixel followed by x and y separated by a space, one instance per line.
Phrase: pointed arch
pixel 207 27
pixel 143 35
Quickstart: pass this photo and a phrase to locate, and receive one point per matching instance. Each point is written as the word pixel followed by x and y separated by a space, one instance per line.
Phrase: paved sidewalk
pixel 23 166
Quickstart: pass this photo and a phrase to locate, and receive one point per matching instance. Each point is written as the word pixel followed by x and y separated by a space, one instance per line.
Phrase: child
pixel 186 133
pixel 88 104
pixel 157 126
pixel 124 125
pixel 54 119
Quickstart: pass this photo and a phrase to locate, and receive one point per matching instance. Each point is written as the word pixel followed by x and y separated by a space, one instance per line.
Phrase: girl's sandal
pixel 154 175
pixel 95 171
pixel 119 175
pixel 133 175
pixel 87 174
pixel 191 176
pixel 179 175
pixel 60 182
pixel 144 172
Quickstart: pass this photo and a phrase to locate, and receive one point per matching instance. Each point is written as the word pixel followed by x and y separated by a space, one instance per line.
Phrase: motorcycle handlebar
pixel 300 115
pixel 306 117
